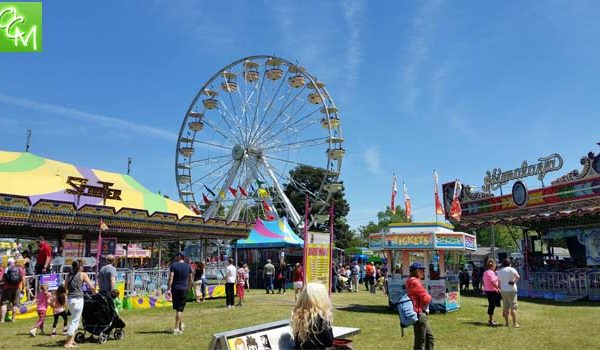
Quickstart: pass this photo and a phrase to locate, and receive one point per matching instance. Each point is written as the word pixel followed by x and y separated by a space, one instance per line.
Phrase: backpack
pixel 407 313
pixel 12 275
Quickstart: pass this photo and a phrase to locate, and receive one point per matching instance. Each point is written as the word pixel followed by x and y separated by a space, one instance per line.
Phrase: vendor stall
pixel 431 244
pixel 67 204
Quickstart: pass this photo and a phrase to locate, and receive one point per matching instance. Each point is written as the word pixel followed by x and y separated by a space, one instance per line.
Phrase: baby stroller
pixel 100 319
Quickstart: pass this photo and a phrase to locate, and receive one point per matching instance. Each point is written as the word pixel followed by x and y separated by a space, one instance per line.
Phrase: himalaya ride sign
pixel 495 178
pixel 20 26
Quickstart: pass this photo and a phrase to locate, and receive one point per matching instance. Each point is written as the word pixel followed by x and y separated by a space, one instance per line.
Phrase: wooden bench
pixel 267 336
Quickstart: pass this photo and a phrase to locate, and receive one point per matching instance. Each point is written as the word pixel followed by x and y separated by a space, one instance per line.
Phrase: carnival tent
pixel 38 178
pixel 271 234
pixel 44 196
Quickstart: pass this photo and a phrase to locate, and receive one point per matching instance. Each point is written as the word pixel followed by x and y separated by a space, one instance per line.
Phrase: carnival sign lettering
pixel 496 178
pixel 80 187
pixel 409 241
pixel 20 26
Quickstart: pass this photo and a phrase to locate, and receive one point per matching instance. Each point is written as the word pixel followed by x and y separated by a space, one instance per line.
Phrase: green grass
pixel 545 325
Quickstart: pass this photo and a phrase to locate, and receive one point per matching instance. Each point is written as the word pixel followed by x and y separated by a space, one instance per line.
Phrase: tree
pixel 309 179
pixel 504 236
pixel 384 218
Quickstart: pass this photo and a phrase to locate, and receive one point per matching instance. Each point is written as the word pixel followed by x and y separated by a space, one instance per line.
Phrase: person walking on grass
pixel 42 300
pixel 424 339
pixel 230 276
pixel 508 277
pixel 108 275
pixel 268 275
pixel 59 309
pixel 199 287
pixel 74 286
pixel 298 279
pixel 354 276
pixel 180 282
pixel 492 290
pixel 240 283
pixel 282 277
pixel 11 289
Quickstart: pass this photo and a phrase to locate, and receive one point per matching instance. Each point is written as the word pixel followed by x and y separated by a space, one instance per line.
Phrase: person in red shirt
pixel 421 299
pixel 44 255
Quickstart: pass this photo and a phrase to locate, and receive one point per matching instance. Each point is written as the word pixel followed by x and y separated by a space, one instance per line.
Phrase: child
pixel 312 318
pixel 43 298
pixel 241 283
pixel 60 309
pixel 116 300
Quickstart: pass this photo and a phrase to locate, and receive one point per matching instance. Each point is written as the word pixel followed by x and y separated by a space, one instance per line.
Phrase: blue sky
pixel 461 88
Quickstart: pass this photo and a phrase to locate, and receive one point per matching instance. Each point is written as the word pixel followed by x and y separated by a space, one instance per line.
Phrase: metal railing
pixel 594 285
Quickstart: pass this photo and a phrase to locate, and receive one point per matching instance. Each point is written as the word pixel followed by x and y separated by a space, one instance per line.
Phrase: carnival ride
pixel 247 127
pixel 565 213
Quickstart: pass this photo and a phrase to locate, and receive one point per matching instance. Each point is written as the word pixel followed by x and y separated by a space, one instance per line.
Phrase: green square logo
pixel 20 27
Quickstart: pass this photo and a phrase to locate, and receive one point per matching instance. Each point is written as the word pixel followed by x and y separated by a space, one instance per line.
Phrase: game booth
pixel 564 214
pixel 436 246
pixel 274 240
pixel 66 204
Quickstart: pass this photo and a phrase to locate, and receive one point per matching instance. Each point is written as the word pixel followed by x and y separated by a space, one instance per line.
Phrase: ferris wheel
pixel 248 126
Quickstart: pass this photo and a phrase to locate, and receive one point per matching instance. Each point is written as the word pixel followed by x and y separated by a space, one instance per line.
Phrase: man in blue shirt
pixel 180 281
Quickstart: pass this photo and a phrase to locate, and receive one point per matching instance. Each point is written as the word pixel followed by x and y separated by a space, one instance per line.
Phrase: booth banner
pixel 317 253
pixel 52 281
pixel 470 242
pixel 376 240
pixel 109 246
pixel 590 238
pixel 437 290
pixel 396 288
pixel 409 241
pixel 449 241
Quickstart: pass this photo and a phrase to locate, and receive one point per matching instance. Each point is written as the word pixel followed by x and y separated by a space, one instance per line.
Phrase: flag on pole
pixel 243 191
pixel 233 191
pixel 103 226
pixel 394 191
pixel 222 194
pixel 195 209
pixel 259 183
pixel 407 203
pixel 455 209
pixel 439 209
pixel 210 191
pixel 205 199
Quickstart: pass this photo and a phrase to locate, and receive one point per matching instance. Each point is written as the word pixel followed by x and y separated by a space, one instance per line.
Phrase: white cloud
pixel 98 119
pixel 372 158
pixel 353 13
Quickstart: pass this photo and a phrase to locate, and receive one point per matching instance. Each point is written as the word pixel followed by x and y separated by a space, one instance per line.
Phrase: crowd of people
pixel 349 277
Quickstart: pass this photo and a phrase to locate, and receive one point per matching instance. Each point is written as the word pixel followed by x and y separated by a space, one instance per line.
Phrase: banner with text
pixel 317 252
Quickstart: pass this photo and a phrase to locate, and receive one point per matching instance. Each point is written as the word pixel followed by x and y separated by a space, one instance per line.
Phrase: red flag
pixel 407 204
pixel 233 191
pixel 394 191
pixel 266 206
pixel 455 209
pixel 205 199
pixel 243 192
pixel 439 209
pixel 195 209
pixel 103 226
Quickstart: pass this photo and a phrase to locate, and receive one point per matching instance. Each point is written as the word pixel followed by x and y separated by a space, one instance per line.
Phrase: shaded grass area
pixel 545 325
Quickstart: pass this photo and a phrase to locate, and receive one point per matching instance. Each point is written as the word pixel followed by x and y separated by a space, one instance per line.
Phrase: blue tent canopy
pixel 271 234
